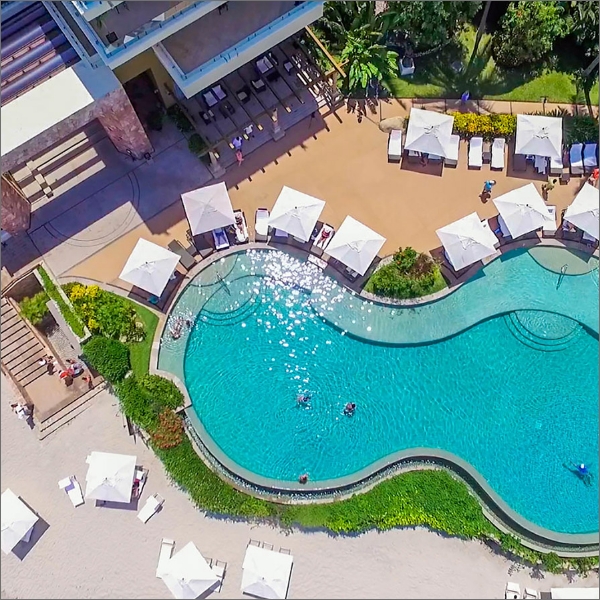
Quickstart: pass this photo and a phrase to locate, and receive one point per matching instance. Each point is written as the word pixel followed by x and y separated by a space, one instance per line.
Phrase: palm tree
pixel 342 18
pixel 480 31
pixel 365 59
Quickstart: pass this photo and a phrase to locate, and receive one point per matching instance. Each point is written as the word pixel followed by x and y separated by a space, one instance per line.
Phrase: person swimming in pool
pixel 302 398
pixel 349 409
pixel 581 470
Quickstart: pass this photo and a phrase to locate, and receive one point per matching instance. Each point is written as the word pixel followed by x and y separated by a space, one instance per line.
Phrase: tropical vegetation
pixel 34 309
pixel 468 125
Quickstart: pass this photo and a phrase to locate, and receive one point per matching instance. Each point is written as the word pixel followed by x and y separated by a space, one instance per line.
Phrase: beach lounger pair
pixel 395 145
pixel 73 489
pixel 152 506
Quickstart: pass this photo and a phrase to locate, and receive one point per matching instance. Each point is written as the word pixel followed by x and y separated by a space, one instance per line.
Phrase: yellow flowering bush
pixel 468 125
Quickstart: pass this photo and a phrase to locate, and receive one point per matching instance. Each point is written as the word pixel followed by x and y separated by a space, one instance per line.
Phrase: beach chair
pixel 414 156
pixel 529 593
pixel 406 66
pixel 498 146
pixel 549 230
pixel 280 236
pixel 434 158
pixel 476 153
pixel 261 226
pixel 513 590
pixel 451 159
pixel 541 164
pixel 220 238
pixel 590 240
pixel 503 228
pixel 166 550
pixel 395 145
pixel 241 229
pixel 139 481
pixel 576 159
pixel 590 160
pixel 73 489
pixel 219 567
pixel 186 260
pixel 152 506
pixel 556 166
pixel 324 236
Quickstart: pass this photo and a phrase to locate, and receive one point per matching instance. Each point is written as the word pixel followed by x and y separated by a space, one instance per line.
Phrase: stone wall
pixel 16 210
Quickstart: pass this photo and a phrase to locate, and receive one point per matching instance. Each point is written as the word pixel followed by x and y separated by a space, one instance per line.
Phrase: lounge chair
pixel 153 504
pixel 414 156
pixel 549 230
pixel 280 236
pixel 261 226
pixel 513 590
pixel 590 240
pixel 241 229
pixel 395 145
pixel 73 489
pixel 529 593
pixel 220 238
pixel 139 481
pixel 476 152
pixel 452 159
pixel 576 159
pixel 540 163
pixel 503 228
pixel 434 158
pixel 318 262
pixel 185 258
pixel 406 66
pixel 590 160
pixel 324 236
pixel 498 146
pixel 166 550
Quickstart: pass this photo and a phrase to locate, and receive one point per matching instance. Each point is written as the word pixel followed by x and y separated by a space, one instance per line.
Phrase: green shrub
pixel 197 145
pixel 552 562
pixel 164 391
pixel 580 128
pixel 468 125
pixel 109 357
pixel 137 404
pixel 168 432
pixel 178 117
pixel 34 309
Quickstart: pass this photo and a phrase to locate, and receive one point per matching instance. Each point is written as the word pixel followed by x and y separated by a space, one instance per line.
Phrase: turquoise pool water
pixel 505 376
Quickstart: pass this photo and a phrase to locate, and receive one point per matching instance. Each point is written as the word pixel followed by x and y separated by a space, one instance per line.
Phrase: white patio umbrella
pixel 296 213
pixel 208 208
pixel 266 574
pixel 583 211
pixel 541 136
pixel 429 132
pixel 355 245
pixel 110 476
pixel 149 267
pixel 467 241
pixel 17 520
pixel 187 574
pixel 523 210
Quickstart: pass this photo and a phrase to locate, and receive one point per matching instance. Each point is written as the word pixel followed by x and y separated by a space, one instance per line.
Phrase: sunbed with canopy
pixel 18 521
pixel 429 132
pixel 296 213
pixel 266 574
pixel 584 212
pixel 110 477
pixel 208 208
pixel 539 136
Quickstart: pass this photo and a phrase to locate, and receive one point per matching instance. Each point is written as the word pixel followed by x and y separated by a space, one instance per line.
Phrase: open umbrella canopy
pixel 467 241
pixel 149 267
pixel 523 210
pixel 208 208
pixel 429 132
pixel 355 245
pixel 296 213
pixel 110 476
pixel 541 136
pixel 17 520
pixel 266 573
pixel 583 211
pixel 188 574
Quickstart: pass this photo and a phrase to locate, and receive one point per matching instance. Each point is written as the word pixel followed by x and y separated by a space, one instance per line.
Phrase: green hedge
pixel 163 390
pixel 468 125
pixel 35 309
pixel 109 357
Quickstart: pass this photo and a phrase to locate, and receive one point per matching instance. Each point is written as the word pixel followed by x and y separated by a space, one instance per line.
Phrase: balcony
pixel 128 28
pixel 94 8
pixel 222 41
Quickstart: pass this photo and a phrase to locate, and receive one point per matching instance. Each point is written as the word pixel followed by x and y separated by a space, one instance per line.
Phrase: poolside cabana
pixel 187 574
pixel 584 212
pixel 429 132
pixel 355 245
pixel 266 574
pixel 539 136
pixel 296 213
pixel 18 521
pixel 208 208
pixel 110 476
pixel 149 267
pixel 467 241
pixel 523 210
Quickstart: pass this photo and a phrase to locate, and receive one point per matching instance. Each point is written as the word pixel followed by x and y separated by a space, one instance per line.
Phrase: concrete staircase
pixel 21 350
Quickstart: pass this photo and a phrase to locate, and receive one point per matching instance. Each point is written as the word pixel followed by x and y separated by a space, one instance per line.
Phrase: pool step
pixel 230 318
pixel 536 341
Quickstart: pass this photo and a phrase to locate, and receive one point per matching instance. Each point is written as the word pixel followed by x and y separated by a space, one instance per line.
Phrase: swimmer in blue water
pixel 349 409
pixel 303 398
pixel 581 470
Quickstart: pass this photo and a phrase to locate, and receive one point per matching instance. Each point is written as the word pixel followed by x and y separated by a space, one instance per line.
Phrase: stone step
pixel 32 375
pixel 28 365
pixel 20 352
pixel 16 332
pixel 16 341
pixel 8 322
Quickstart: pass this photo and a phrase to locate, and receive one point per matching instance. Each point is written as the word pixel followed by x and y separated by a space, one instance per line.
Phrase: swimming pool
pixel 502 373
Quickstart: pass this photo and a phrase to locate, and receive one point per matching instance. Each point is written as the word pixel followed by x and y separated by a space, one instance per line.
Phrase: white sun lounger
pixel 549 229
pixel 166 550
pixel 476 152
pixel 529 593
pixel 576 159
pixel 151 507
pixel 220 238
pixel 540 163
pixel 556 166
pixel 590 162
pixel 586 237
pixel 513 590
pixel 261 226
pixel 73 489
pixel 241 233
pixel 503 227
pixel 452 159
pixel 498 146
pixel 324 236
pixel 395 145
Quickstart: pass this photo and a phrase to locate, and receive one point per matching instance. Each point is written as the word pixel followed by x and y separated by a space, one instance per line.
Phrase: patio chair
pixel 503 228
pixel 324 237
pixel 513 590
pixel 139 481
pixel 549 230
pixel 395 145
pixel 576 159
pixel 289 67
pixel 590 160
pixel 476 153
pixel 152 506
pixel 406 66
pixel 166 550
pixel 241 229
pixel 185 258
pixel 498 146
pixel 261 226
pixel 452 159
pixel 258 85
pixel 73 489
pixel 220 238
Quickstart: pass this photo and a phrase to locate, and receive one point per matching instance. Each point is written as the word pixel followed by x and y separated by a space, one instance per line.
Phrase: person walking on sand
pixel 488 185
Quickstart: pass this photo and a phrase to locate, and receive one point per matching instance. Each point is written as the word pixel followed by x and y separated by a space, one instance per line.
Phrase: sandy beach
pixel 94 552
